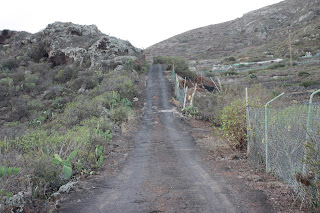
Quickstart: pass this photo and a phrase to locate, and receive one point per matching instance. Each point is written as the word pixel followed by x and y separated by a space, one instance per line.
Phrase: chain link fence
pixel 179 93
pixel 287 134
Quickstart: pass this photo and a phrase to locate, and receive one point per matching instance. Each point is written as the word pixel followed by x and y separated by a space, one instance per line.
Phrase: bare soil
pixel 235 167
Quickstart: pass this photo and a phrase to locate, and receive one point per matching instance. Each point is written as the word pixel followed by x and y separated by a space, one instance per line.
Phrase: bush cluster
pixel 123 82
pixel 83 126
pixel 181 66
pixel 10 64
pixel 56 120
pixel 276 66
pixel 233 123
pixel 303 74
pixel 309 83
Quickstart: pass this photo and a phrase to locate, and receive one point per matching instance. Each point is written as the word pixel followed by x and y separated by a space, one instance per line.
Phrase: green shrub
pixel 34 141
pixel 244 66
pixel 234 127
pixel 36 148
pixel 230 59
pixel 303 74
pixel 66 164
pixel 10 64
pixel 231 72
pixel 309 83
pixel 86 81
pixel 64 75
pixel 190 111
pixel 252 72
pixel 77 111
pixel 57 104
pixel 7 82
pixel 4 70
pixel 275 93
pixel 181 66
pixel 311 159
pixel 120 114
pixel 121 83
pixel 253 76
pixel 276 66
pixel 17 77
pixel 208 107
pixel 31 80
pixel 145 68
pixel 8 171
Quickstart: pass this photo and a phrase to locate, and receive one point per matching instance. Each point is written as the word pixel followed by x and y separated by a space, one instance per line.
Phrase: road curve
pixel 165 172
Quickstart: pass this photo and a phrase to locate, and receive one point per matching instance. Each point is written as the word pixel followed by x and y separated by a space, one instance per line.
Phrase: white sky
pixel 142 22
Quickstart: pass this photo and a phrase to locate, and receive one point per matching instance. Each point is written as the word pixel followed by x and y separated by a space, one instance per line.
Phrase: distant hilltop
pixel 257 34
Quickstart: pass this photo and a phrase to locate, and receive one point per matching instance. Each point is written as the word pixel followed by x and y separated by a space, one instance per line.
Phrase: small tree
pixel 234 126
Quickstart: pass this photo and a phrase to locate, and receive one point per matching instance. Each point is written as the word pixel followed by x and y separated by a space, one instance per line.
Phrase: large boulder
pixel 68 29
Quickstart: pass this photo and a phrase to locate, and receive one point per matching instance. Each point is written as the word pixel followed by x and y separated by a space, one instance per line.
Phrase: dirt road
pixel 165 172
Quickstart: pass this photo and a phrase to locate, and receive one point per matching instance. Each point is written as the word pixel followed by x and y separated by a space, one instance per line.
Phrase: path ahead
pixel 164 172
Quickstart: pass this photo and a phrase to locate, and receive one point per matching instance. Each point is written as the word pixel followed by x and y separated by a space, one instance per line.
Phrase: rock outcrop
pixel 65 43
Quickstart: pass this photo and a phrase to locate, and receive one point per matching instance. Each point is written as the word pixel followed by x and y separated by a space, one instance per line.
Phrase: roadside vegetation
pixel 57 121
pixel 180 65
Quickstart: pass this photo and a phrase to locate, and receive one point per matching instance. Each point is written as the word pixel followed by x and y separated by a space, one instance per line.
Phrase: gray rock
pixel 15 201
pixel 55 196
pixel 82 89
pixel 69 29
pixel 114 50
pixel 77 54
pixel 67 43
pixel 220 158
pixel 67 187
pixel 118 68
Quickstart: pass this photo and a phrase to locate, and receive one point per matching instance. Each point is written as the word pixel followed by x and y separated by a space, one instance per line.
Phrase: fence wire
pixel 179 93
pixel 287 133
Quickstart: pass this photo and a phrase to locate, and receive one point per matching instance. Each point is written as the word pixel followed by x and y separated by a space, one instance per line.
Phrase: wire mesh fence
pixel 287 134
pixel 179 93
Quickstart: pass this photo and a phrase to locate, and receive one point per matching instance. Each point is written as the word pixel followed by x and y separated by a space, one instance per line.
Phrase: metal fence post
pixel 310 110
pixel 266 131
pixel 308 127
pixel 247 115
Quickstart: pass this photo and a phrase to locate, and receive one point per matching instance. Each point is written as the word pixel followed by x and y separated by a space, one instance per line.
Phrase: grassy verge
pixel 62 133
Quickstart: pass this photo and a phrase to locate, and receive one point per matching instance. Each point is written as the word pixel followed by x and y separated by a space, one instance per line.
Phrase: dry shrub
pixel 123 82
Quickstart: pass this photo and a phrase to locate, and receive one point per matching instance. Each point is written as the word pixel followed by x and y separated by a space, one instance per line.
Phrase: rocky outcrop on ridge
pixel 64 43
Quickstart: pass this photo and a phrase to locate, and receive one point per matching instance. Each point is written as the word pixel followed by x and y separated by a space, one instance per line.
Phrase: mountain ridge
pixel 266 28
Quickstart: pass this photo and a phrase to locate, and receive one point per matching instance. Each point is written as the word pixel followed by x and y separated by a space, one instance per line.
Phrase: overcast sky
pixel 142 22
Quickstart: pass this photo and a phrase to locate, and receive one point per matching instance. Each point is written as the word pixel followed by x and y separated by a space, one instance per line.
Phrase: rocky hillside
pixel 62 54
pixel 256 34
pixel 65 93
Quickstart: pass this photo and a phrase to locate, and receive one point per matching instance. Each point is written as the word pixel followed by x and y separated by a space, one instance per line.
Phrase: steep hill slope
pixel 63 57
pixel 65 92
pixel 256 34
